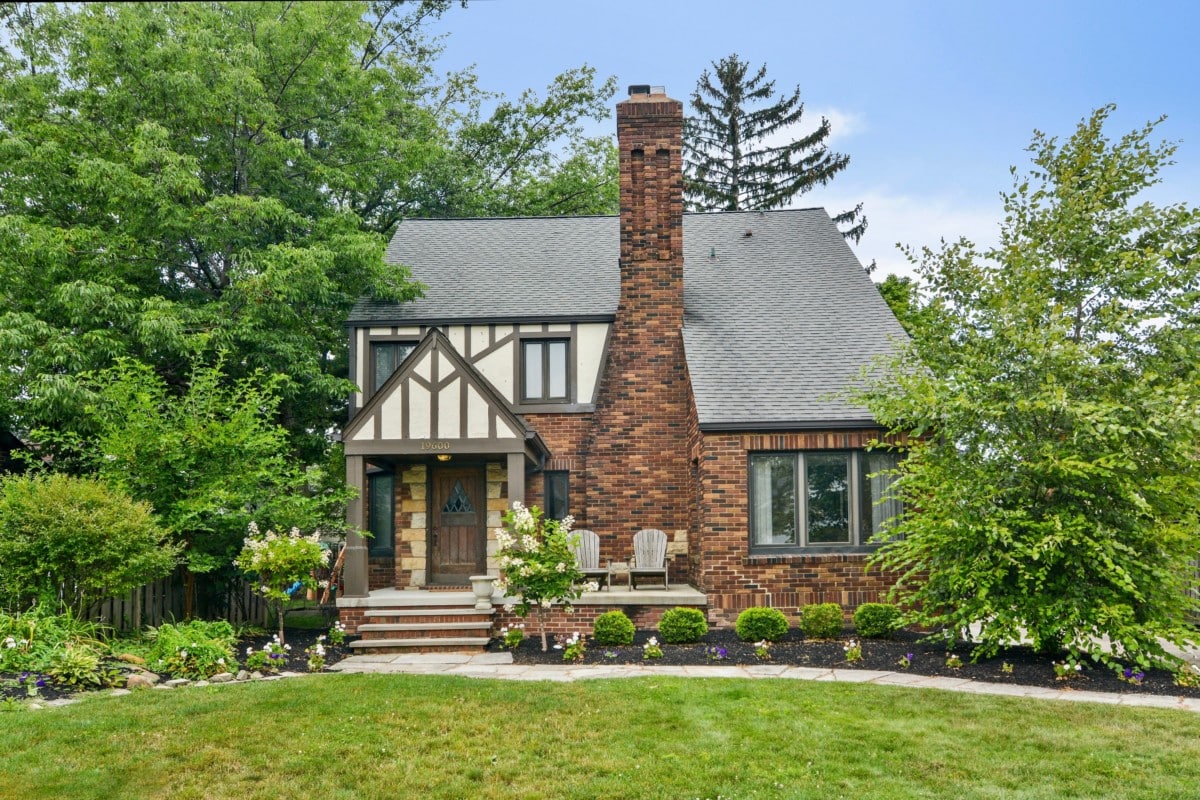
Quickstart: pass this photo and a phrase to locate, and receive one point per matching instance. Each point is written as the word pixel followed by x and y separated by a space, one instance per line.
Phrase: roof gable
pixel 435 394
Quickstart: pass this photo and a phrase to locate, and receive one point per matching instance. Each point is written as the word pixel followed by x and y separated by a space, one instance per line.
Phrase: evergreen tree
pixel 730 158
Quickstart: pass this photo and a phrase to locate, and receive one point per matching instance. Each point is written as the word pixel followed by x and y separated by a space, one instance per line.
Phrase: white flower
pixel 183 653
pixel 249 650
pixel 221 661
pixel 287 647
pixel 10 642
pixel 560 567
pixel 508 607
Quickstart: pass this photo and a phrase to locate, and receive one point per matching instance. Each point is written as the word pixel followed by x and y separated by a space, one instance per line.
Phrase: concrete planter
pixel 483 586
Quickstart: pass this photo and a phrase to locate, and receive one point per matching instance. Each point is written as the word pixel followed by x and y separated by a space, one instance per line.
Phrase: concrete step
pixel 424 626
pixel 422 645
pixel 449 611
pixel 416 630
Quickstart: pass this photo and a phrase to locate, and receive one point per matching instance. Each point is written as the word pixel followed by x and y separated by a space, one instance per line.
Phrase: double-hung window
pixel 819 500
pixel 544 371
pixel 385 358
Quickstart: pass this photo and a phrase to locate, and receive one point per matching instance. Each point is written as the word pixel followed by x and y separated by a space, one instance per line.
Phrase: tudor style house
pixel 657 369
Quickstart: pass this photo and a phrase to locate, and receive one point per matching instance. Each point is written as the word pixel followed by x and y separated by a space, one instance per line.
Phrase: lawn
pixel 368 736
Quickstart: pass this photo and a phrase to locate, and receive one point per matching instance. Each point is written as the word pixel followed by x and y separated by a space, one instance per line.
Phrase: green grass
pixel 369 736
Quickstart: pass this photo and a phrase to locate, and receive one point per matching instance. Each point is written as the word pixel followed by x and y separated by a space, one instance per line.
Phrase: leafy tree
pixel 77 539
pixel 280 563
pixel 731 158
pixel 1056 491
pixel 183 179
pixel 208 462
pixel 903 296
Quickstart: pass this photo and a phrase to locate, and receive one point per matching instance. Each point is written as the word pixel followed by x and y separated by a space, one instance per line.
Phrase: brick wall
pixel 637 465
pixel 733 579
pixel 565 435
pixel 581 618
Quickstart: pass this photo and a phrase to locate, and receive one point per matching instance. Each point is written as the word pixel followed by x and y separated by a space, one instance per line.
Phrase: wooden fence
pixel 162 601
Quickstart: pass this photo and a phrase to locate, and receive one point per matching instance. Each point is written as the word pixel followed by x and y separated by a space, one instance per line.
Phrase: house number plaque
pixel 435 445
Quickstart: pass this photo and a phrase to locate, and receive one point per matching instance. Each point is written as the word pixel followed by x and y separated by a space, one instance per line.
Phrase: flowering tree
pixel 536 563
pixel 282 564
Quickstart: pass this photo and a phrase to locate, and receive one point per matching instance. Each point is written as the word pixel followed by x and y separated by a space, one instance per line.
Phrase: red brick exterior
pixel 637 465
pixel 565 435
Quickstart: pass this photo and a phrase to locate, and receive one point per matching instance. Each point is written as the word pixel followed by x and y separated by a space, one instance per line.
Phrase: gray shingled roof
pixel 503 267
pixel 775 326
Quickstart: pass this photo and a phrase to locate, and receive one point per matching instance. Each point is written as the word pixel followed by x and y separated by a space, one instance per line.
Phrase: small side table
pixel 616 568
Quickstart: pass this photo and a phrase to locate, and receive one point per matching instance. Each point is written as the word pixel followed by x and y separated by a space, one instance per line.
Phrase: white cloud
pixel 842 125
pixel 915 221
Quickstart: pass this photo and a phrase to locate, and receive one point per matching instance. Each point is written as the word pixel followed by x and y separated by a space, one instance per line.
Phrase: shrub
pixel 613 628
pixel 78 539
pixel 30 641
pixel 821 621
pixel 682 625
pixel 761 624
pixel 876 620
pixel 194 650
pixel 282 564
pixel 77 666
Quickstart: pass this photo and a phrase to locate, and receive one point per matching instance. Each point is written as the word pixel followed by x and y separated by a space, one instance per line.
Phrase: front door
pixel 458 546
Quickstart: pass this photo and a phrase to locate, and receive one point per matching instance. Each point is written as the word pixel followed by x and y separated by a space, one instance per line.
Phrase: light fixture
pixel 443 457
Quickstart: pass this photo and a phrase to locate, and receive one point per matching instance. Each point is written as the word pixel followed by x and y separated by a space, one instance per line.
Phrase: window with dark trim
pixel 381 513
pixel 558 501
pixel 819 500
pixel 544 373
pixel 385 358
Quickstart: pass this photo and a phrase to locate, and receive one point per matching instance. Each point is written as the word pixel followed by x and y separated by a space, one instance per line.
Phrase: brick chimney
pixel 637 450
pixel 650 141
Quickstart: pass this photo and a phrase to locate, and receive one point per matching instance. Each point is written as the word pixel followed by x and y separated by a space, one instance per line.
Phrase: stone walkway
pixel 500 666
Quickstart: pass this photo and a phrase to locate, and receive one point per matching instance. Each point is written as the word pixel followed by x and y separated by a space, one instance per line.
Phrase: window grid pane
pixel 533 370
pixel 828 498
pixel 557 370
pixel 381 511
pixel 773 487
pixel 387 357
pixel 873 489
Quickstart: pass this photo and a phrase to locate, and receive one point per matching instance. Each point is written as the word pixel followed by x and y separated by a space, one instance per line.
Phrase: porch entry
pixel 458 525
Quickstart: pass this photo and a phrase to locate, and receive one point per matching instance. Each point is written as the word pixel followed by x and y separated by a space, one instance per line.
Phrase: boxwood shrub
pixel 757 624
pixel 682 625
pixel 876 620
pixel 612 628
pixel 821 621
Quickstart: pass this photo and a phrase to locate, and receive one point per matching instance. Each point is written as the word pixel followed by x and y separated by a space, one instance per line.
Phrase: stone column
pixel 354 571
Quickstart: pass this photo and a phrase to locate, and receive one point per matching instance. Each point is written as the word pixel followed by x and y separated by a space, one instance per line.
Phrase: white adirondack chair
pixel 587 557
pixel 649 555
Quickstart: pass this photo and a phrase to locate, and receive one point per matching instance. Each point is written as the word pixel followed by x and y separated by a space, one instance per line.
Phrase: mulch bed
pixel 928 658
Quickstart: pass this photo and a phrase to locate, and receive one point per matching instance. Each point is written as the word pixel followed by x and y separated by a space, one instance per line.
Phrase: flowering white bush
pixel 536 563
pixel 282 564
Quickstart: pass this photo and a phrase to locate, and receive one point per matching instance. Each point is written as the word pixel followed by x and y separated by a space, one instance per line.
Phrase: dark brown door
pixel 459 533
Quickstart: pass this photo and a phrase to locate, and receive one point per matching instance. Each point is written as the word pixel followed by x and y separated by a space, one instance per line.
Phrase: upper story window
pixel 385 357
pixel 544 370
pixel 825 500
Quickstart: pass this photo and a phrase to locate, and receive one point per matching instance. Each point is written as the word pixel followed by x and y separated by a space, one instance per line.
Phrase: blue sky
pixel 933 101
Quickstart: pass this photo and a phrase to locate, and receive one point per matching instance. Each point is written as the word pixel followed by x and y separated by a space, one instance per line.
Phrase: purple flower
pixel 41 683
pixel 1128 673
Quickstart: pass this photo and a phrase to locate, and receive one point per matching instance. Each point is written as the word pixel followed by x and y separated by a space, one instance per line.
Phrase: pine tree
pixel 730 160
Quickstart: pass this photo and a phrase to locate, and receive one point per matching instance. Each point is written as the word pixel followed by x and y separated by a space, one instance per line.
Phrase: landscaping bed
pixel 115 673
pixel 723 648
